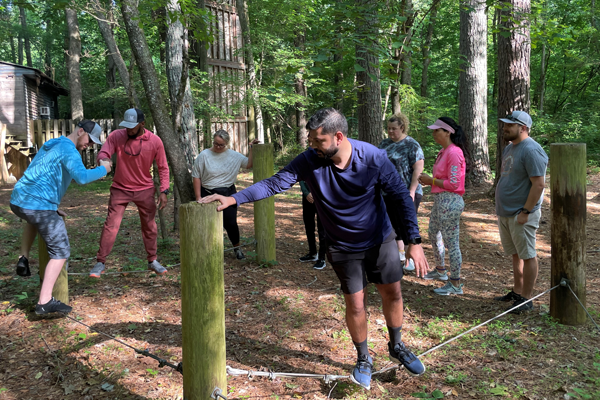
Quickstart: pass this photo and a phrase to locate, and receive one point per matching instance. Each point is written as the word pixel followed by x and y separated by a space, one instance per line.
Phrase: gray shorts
pixel 51 228
pixel 519 239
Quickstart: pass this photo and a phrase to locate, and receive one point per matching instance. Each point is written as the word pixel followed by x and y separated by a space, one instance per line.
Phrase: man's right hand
pixel 225 201
pixel 309 197
pixel 106 164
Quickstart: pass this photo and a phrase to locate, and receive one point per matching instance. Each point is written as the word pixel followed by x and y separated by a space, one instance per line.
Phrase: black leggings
pixel 229 214
pixel 309 211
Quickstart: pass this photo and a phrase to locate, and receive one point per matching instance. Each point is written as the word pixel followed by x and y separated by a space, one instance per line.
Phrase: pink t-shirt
pixel 450 166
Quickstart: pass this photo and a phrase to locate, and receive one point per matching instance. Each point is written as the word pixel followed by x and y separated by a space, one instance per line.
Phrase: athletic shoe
pixel 510 296
pixel 23 266
pixel 436 275
pixel 361 375
pixel 51 307
pixel 309 258
pixel 524 306
pixel 410 266
pixel 449 289
pixel 156 267
pixel 320 264
pixel 239 254
pixel 97 270
pixel 401 355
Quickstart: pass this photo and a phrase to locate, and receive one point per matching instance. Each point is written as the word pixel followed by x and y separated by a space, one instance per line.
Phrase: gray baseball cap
pixel 132 118
pixel 518 117
pixel 92 129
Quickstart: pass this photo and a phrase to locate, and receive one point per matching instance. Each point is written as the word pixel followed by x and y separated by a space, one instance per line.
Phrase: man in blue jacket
pixel 346 177
pixel 36 198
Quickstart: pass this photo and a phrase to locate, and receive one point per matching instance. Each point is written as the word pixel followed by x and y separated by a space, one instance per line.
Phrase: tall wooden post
pixel 60 291
pixel 264 210
pixel 4 176
pixel 202 300
pixel 568 196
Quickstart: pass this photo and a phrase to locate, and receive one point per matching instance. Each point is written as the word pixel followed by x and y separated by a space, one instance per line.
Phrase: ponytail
pixel 459 139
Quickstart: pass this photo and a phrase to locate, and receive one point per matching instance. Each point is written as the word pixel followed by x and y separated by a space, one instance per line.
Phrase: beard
pixel 330 152
pixel 510 135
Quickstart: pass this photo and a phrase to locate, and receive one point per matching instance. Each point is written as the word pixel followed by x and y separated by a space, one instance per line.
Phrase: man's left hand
pixel 415 251
pixel 162 201
pixel 61 213
pixel 255 141
pixel 522 218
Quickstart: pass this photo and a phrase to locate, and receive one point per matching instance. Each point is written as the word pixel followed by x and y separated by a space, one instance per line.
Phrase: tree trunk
pixel 180 92
pixel 407 31
pixel 13 52
pixel 73 58
pixel 250 69
pixel 23 17
pixel 20 47
pixel 106 30
pixel 301 137
pixel 472 101
pixel 495 51
pixel 48 50
pixel 514 51
pixel 541 92
pixel 369 113
pixel 111 79
pixel 426 49
pixel 149 77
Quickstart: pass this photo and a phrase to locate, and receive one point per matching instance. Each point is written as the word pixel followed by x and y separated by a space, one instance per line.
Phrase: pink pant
pixel 119 199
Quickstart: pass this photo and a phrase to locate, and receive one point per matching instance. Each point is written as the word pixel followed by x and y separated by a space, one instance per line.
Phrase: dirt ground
pixel 289 317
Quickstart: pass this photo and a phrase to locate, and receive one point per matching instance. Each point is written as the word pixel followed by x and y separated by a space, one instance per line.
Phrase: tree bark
pixel 180 92
pixel 514 51
pixel 301 136
pixel 472 100
pixel 73 58
pixel 242 11
pixel 264 210
pixel 20 47
pixel 23 17
pixel 541 92
pixel 13 52
pixel 369 113
pixel 106 29
pixel 149 77
pixel 426 49
pixel 407 31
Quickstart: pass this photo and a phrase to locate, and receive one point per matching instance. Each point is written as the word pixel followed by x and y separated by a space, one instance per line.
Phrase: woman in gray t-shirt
pixel 215 171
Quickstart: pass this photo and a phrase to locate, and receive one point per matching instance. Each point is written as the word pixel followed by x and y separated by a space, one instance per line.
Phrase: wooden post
pixel 568 197
pixel 202 300
pixel 60 291
pixel 264 210
pixel 4 175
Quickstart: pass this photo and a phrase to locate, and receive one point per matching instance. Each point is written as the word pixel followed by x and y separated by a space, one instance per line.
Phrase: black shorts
pixel 380 265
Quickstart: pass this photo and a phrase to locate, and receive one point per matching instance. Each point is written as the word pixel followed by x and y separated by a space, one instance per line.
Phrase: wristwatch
pixel 415 240
pixel 525 211
pixel 166 191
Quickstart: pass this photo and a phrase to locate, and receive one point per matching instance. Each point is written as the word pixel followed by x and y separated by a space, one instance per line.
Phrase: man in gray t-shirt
pixel 519 197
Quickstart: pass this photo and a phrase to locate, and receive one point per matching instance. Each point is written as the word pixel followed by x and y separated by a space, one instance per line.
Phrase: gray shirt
pixel 217 170
pixel 404 154
pixel 519 163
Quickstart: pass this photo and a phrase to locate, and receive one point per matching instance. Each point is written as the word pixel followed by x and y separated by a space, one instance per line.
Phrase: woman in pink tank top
pixel 447 187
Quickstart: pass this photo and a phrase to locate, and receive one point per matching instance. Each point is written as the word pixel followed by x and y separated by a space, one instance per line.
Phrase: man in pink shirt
pixel 136 149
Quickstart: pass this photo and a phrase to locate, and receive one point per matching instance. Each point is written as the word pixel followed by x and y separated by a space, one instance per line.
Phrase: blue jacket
pixel 49 175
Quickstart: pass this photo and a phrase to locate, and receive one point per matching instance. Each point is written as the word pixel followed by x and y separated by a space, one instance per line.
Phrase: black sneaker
pixel 51 307
pixel 400 354
pixel 239 254
pixel 524 306
pixel 309 258
pixel 510 296
pixel 320 264
pixel 23 267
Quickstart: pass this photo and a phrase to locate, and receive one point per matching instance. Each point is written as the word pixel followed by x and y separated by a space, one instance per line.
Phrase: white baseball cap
pixel 518 117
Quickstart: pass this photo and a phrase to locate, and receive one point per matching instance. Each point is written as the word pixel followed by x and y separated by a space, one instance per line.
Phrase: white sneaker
pixel 449 289
pixel 435 275
pixel 410 266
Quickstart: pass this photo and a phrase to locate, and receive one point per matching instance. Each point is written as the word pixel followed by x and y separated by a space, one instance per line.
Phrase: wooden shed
pixel 26 94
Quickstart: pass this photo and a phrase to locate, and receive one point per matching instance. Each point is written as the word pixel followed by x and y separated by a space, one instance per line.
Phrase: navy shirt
pixel 348 201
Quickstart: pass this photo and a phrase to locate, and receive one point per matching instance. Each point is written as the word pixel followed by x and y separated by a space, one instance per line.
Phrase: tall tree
pixel 242 10
pixel 426 47
pixel 180 92
pixel 514 52
pixel 27 43
pixel 48 49
pixel 73 58
pixel 301 137
pixel 106 29
pixel 149 77
pixel 368 107
pixel 472 98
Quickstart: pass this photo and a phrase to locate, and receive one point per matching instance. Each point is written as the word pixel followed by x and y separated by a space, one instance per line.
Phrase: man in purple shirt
pixel 346 178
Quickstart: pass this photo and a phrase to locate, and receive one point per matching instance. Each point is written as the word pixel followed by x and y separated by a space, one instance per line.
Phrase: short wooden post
pixel 202 300
pixel 568 197
pixel 60 291
pixel 4 176
pixel 264 210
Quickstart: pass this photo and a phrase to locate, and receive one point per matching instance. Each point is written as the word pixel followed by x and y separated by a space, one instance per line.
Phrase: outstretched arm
pixel 225 201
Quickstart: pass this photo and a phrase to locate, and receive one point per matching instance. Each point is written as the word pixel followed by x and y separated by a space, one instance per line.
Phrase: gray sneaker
pixel 410 266
pixel 156 267
pixel 448 289
pixel 97 270
pixel 435 275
